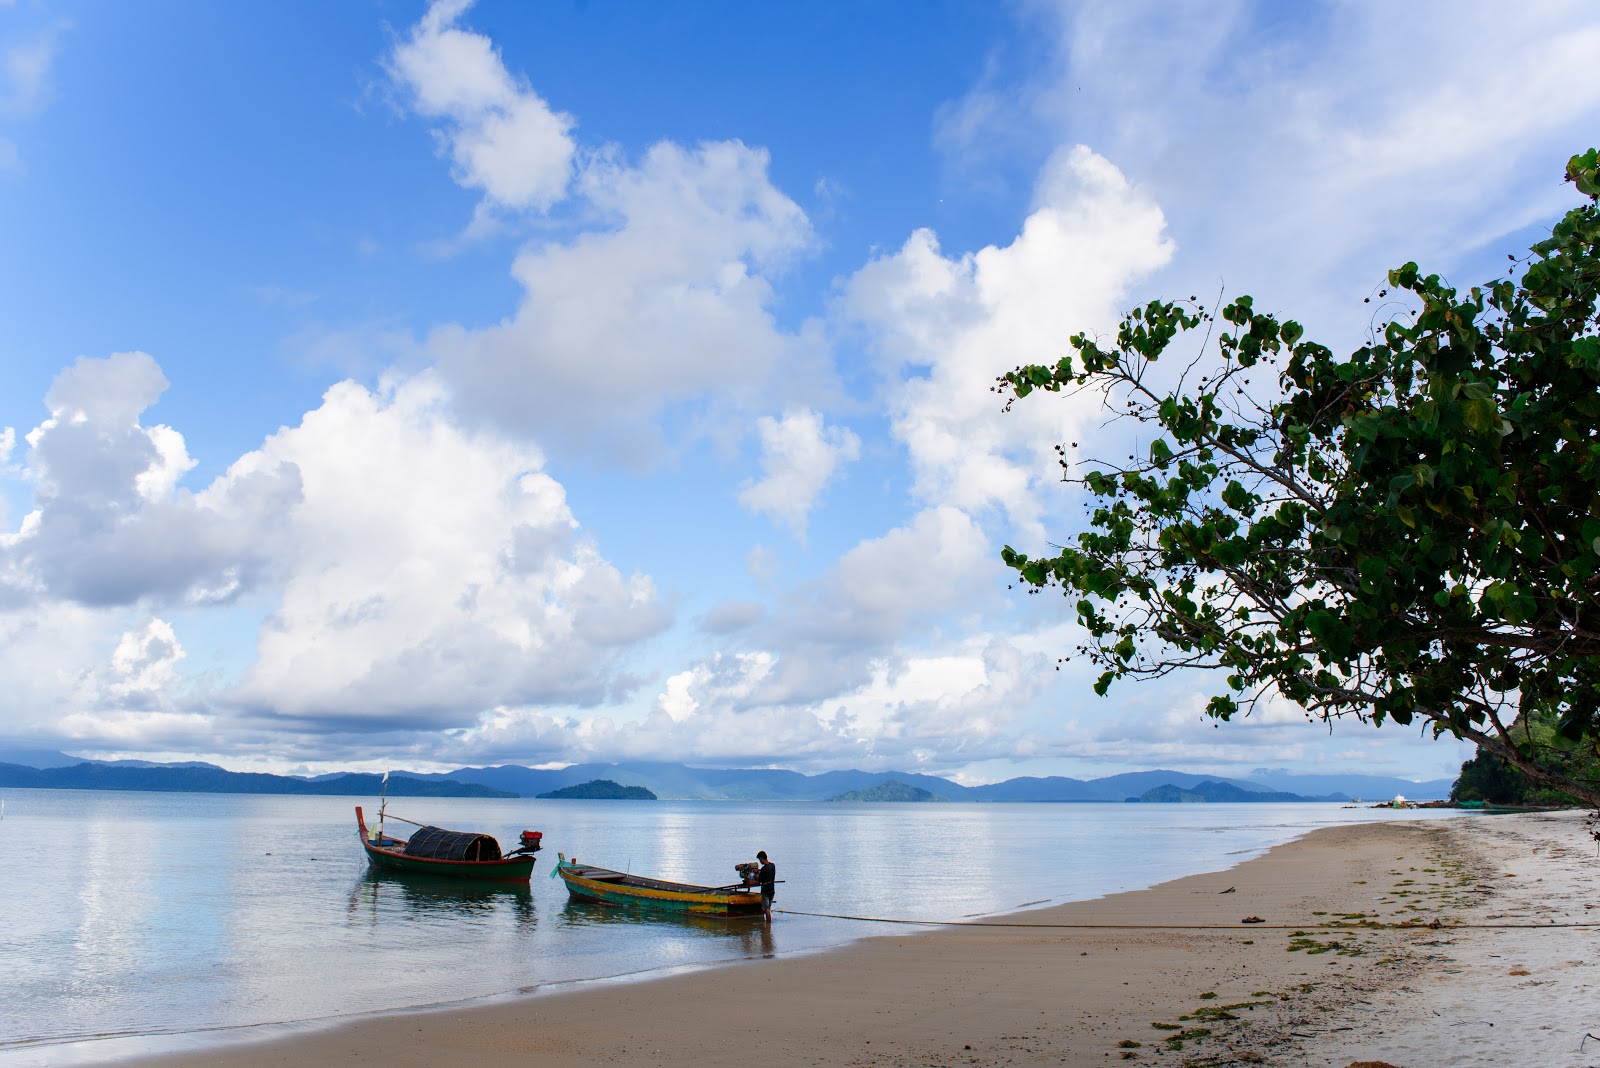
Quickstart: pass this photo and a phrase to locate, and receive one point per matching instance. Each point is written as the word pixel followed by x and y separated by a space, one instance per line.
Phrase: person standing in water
pixel 768 878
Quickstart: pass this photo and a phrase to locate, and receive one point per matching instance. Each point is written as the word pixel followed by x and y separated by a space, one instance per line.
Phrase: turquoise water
pixel 137 919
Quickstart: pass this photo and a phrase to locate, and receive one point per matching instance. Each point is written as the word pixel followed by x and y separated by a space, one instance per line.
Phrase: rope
pixel 1324 926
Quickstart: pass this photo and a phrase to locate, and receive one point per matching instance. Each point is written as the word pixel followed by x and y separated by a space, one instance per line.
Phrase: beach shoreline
pixel 1347 966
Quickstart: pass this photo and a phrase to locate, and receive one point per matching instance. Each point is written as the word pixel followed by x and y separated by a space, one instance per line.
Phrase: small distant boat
pixel 457 854
pixel 585 882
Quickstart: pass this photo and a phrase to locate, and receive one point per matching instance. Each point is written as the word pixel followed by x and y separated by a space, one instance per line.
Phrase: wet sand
pixel 1347 966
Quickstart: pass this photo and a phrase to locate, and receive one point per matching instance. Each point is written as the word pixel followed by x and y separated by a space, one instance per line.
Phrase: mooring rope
pixel 1374 925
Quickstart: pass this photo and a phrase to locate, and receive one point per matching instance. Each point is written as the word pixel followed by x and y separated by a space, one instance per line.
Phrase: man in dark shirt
pixel 768 879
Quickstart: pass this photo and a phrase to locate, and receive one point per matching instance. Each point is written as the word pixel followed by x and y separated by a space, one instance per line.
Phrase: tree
pixel 1408 534
pixel 1487 777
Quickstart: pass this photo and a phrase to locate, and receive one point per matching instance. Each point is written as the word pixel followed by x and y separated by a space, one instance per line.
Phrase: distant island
pixel 1219 792
pixel 892 790
pixel 599 790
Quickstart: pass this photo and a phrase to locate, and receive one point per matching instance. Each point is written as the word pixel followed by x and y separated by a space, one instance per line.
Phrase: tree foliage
pixel 1407 534
pixel 1488 777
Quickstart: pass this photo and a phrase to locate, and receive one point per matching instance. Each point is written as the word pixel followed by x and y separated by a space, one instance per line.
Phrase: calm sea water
pixel 134 922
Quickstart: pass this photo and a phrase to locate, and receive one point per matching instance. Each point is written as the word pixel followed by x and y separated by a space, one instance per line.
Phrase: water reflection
pixel 378 896
pixel 747 936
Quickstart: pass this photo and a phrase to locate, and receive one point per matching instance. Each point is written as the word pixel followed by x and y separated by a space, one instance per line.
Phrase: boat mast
pixel 383 803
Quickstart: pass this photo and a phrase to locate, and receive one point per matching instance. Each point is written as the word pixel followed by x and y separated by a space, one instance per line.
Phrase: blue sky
pixel 388 383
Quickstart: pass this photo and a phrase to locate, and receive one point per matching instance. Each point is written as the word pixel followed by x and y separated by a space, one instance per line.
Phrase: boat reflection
pixel 748 936
pixel 389 895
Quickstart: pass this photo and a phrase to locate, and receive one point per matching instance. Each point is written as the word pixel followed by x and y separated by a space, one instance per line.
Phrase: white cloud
pixel 1300 159
pixel 25 71
pixel 968 318
pixel 432 573
pixel 912 712
pixel 44 650
pixel 1162 724
pixel 799 456
pixel 949 707
pixel 144 665
pixel 502 136
pixel 421 573
pixel 886 594
pixel 671 305
pixel 111 525
pixel 140 731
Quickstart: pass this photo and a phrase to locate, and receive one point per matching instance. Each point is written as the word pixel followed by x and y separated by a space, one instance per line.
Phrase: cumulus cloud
pixel 885 593
pixel 144 666
pixel 671 305
pixel 431 573
pixel 110 524
pixel 1164 725
pixel 46 650
pixel 92 679
pixel 799 456
pixel 420 574
pixel 501 136
pixel 947 707
pixel 964 319
pixel 1307 157
pixel 911 711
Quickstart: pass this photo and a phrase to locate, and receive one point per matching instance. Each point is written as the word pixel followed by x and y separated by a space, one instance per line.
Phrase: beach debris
pixel 1252 919
pixel 1371 1064
pixel 1229 890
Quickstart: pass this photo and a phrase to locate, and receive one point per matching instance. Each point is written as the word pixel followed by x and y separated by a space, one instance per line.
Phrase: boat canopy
pixel 435 843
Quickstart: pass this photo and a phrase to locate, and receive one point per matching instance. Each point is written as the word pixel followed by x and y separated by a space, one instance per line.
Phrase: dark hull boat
pixel 457 854
pixel 585 882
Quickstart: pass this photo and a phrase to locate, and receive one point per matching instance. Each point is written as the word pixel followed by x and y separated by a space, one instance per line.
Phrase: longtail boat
pixel 585 882
pixel 457 854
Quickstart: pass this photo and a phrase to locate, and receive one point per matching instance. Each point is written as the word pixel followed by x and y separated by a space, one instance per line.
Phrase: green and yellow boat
pixel 457 854
pixel 585 882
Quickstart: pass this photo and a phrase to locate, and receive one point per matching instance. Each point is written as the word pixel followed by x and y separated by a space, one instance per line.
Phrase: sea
pixel 137 923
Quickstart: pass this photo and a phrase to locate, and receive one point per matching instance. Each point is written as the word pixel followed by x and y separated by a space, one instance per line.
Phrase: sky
pixel 407 384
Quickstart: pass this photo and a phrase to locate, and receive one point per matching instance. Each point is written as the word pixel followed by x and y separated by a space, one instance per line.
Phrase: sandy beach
pixel 1405 943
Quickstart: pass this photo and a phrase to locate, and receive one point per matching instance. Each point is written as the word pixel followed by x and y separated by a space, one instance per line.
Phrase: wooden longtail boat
pixel 586 882
pixel 457 854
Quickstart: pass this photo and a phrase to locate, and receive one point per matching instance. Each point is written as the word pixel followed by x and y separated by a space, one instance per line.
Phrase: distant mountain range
pixel 209 779
pixel 767 784
pixel 48 768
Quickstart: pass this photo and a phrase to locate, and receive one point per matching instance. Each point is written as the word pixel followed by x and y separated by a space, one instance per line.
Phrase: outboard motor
pixel 749 872
pixel 532 842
